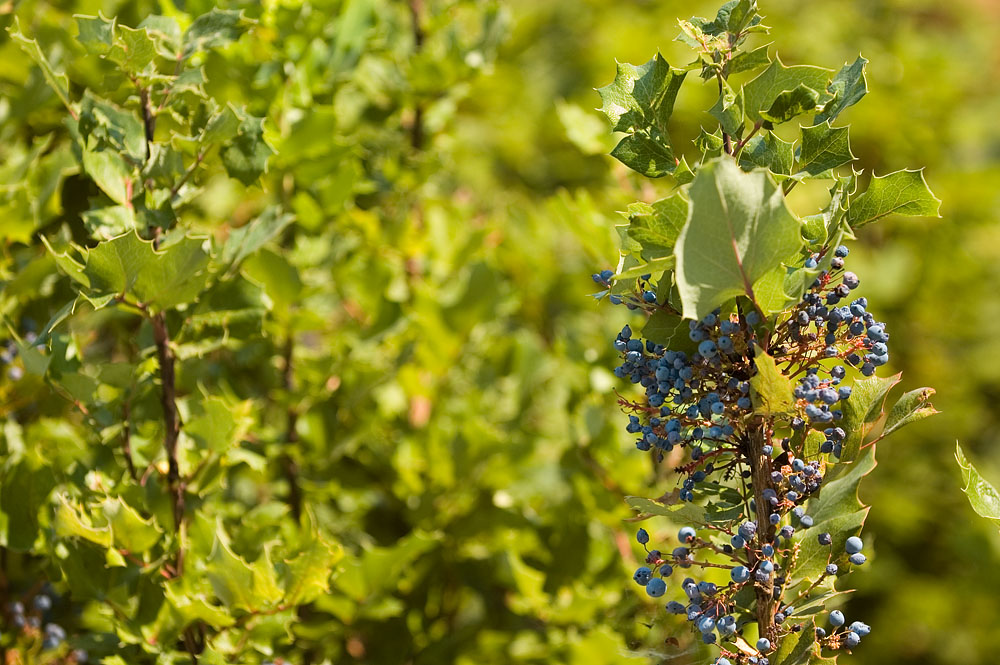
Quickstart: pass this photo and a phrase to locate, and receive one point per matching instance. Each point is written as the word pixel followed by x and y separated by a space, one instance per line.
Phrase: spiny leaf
pixel 657 225
pixel 245 157
pixel 679 511
pixel 216 28
pixel 738 229
pixel 911 407
pixel 771 391
pixel 768 152
pixel 639 102
pixel 983 496
pixel 824 148
pixel 847 87
pixel 862 410
pixel 791 103
pixel 760 93
pixel 58 82
pixel 901 193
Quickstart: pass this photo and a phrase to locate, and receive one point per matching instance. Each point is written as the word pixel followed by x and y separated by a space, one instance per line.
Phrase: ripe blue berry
pixel 858 558
pixel 854 545
pixel 656 587
pixel 831 569
pixel 642 536
pixel 860 628
pixel 763 645
pixel 837 618
pixel 852 640
pixel 642 575
pixel 686 534
pixel 740 574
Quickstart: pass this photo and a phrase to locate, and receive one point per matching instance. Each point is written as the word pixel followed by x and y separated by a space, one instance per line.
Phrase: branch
pixel 417 128
pixel 760 470
pixel 291 434
pixel 168 400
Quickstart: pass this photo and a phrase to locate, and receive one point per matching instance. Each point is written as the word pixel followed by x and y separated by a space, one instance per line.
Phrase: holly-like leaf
pixel 824 148
pixel 57 81
pixel 249 587
pixel 669 330
pixel 739 229
pixel 791 103
pixel 307 576
pixel 679 511
pixel 119 128
pixel 110 172
pixel 797 648
pixel 136 48
pixel 71 521
pixel 656 226
pixel 129 530
pixel 747 60
pixel 769 152
pixel 245 157
pixel 911 407
pixel 728 110
pixel 639 102
pixel 983 496
pixel 216 28
pixel 250 237
pixel 128 265
pixel 24 490
pixel 96 33
pixel 902 193
pixel 847 87
pixel 762 92
pixel 770 390
pixel 862 410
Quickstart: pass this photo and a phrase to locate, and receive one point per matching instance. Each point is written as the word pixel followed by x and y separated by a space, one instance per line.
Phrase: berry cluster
pixel 29 624
pixel 699 397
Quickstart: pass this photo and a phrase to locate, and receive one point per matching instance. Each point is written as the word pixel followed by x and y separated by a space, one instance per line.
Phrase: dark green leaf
pixel 760 93
pixel 862 411
pixel 245 157
pixel 656 226
pixel 791 103
pixel 824 148
pixel 847 87
pixel 769 152
pixel 216 28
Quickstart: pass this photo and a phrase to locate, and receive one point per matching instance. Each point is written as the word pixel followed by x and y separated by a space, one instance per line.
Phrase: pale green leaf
pixel 738 230
pixel 770 390
pixel 657 225
pixel 983 496
pixel 911 407
pixel 769 152
pixel 129 530
pixel 216 28
pixel 58 82
pixel 901 193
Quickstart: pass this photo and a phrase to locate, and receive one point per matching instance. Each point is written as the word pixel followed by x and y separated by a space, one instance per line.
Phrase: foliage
pixel 764 295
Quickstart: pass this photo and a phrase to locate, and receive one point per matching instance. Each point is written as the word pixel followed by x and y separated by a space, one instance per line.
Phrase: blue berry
pixel 740 574
pixel 841 251
pixel 831 569
pixel 854 545
pixel 642 576
pixel 860 628
pixel 852 640
pixel 642 536
pixel 837 618
pixel 656 587
pixel 42 603
pixel 686 534
pixel 858 558
pixel 649 296
pixel 763 645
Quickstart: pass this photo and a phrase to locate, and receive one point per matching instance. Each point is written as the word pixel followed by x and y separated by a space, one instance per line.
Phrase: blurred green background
pixel 467 450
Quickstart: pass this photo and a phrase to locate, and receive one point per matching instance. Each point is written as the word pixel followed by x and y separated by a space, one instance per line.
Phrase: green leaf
pixel 770 390
pixel 747 60
pixel 129 530
pixel 25 489
pixel 862 410
pixel 71 521
pixel 847 87
pixel 797 648
pixel 216 28
pixel 639 102
pixel 110 172
pixel 901 193
pixel 768 152
pixel 839 495
pixel 983 496
pixel 710 145
pixel 249 587
pixel 128 265
pixel 824 148
pixel 669 330
pixel 738 230
pixel 136 50
pixel 728 110
pixel 96 33
pixel 307 576
pixel 791 103
pixel 247 239
pixel 911 407
pixel 218 425
pixel 106 223
pixel 762 92
pixel 677 510
pixel 58 82
pixel 656 226
pixel 245 157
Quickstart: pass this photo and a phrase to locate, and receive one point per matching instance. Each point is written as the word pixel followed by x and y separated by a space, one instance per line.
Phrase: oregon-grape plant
pixel 758 361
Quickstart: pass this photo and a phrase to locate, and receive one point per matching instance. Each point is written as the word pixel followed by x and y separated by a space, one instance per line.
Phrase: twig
pixel 291 433
pixel 417 128
pixel 168 400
